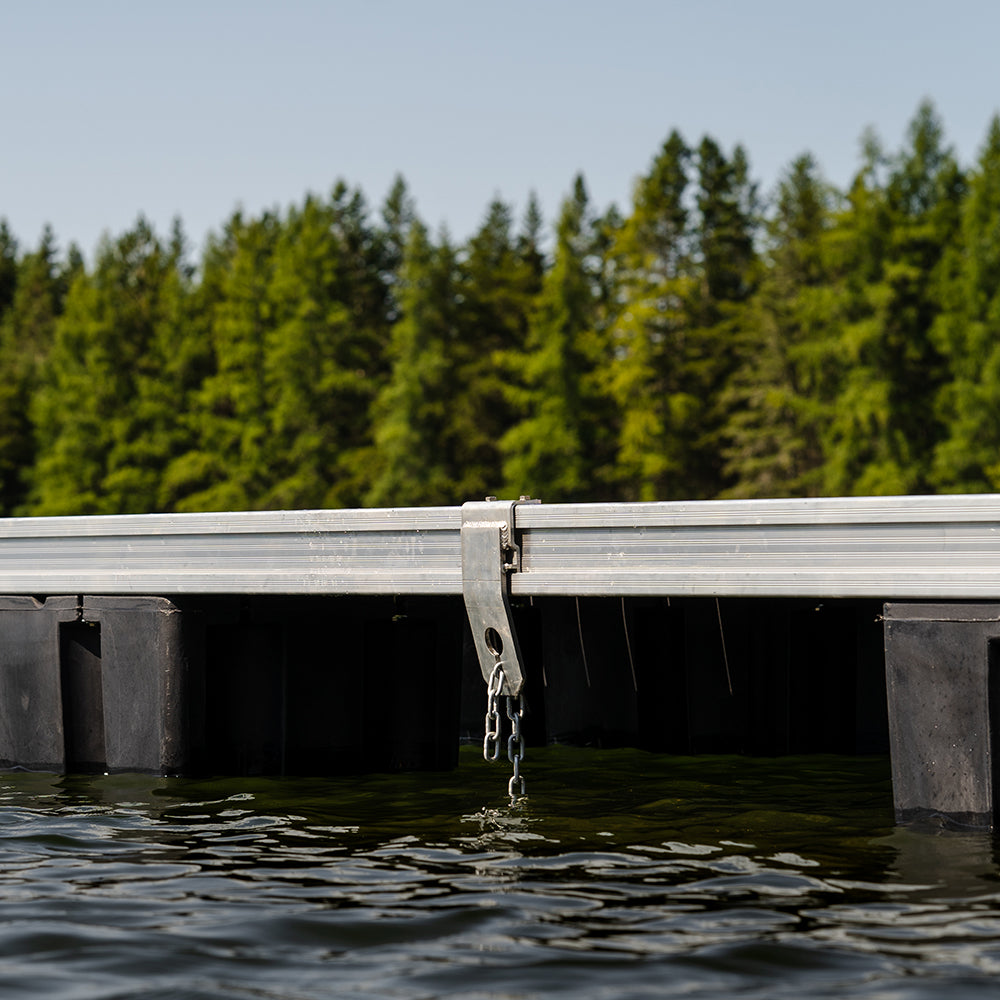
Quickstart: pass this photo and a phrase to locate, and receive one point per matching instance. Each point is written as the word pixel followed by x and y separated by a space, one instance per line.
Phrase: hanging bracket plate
pixel 490 553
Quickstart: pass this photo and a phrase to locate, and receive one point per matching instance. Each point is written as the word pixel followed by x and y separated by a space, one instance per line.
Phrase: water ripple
pixel 624 874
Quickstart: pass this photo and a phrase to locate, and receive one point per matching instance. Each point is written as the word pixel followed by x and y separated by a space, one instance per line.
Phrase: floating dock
pixel 332 641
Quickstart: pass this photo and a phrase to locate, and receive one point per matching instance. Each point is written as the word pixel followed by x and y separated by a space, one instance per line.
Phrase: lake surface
pixel 623 874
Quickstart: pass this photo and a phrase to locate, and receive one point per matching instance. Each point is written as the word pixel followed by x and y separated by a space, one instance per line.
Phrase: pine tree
pixel 498 280
pixel 102 435
pixel 967 333
pixel 550 451
pixel 26 333
pixel 882 433
pixel 226 466
pixel 529 246
pixel 780 398
pixel 646 349
pixel 324 355
pixel 681 275
pixel 413 415
pixel 724 235
pixel 178 361
pixel 398 216
pixel 8 267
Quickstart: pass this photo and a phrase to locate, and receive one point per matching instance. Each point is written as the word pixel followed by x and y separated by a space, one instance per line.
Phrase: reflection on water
pixel 622 875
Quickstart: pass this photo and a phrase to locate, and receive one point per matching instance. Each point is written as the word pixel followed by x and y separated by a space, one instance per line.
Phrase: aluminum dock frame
pixel 323 641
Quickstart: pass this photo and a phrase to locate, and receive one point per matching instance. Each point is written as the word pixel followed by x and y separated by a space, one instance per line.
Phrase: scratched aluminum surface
pixel 885 547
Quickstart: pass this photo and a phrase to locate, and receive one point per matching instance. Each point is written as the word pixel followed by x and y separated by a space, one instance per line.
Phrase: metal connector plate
pixel 489 554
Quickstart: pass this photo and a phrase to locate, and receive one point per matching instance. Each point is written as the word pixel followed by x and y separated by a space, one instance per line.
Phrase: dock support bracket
pixel 490 553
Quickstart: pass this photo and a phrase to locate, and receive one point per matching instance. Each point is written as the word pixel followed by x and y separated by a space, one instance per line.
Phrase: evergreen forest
pixel 707 340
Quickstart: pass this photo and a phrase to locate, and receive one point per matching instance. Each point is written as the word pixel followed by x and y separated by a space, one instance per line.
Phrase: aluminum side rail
pixel 943 547
pixel 880 547
pixel 405 551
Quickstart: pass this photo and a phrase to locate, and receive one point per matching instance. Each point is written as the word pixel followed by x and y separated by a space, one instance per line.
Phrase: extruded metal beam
pixel 880 547
pixel 406 551
pixel 944 547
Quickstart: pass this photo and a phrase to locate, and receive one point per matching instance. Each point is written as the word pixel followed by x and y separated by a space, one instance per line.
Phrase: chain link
pixel 491 741
pixel 515 748
pixel 515 742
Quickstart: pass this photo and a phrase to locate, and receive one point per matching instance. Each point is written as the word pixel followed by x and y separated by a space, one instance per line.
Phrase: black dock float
pixel 943 677
pixel 32 719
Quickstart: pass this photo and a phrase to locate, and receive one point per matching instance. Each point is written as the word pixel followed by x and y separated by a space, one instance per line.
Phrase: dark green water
pixel 622 875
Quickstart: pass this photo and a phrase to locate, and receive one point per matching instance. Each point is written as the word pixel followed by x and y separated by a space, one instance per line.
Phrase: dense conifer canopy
pixel 708 341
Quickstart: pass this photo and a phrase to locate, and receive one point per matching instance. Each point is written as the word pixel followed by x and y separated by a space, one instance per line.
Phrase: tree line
pixel 711 342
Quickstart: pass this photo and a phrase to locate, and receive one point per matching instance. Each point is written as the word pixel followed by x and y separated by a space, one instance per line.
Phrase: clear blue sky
pixel 116 107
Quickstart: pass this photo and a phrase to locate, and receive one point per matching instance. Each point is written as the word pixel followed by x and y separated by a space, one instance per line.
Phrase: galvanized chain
pixel 491 741
pixel 515 748
pixel 515 742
